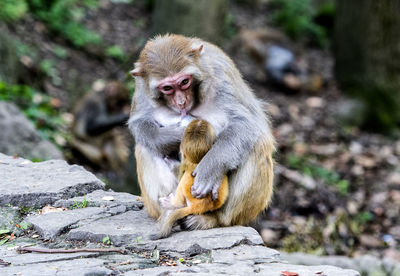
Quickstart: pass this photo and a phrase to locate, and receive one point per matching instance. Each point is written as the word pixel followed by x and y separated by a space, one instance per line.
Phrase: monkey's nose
pixel 181 101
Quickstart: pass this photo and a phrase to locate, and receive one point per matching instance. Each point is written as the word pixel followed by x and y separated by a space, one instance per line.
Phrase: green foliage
pixel 297 20
pixel 230 30
pixel 25 210
pixel 64 17
pixel 4 231
pixel 364 217
pixel 36 106
pixel 4 236
pixel 24 225
pixel 47 66
pixel 61 16
pixel 307 238
pixel 304 165
pixel 116 52
pixel 12 10
pixel 138 239
pixel 339 232
pixel 106 240
pixel 79 205
pixel 60 52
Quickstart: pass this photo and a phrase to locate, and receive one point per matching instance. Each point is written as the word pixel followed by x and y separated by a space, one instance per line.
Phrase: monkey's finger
pixel 194 191
pixel 215 192
pixel 203 191
pixel 194 172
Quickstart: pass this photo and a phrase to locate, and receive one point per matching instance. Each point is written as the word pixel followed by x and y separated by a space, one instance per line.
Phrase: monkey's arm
pixel 95 119
pixel 148 133
pixel 230 149
pixel 101 124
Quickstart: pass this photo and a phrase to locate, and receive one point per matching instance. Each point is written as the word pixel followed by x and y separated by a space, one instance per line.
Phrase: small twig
pixel 4 263
pixel 53 251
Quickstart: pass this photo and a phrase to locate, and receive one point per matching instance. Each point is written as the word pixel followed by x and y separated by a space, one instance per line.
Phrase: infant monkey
pixel 197 140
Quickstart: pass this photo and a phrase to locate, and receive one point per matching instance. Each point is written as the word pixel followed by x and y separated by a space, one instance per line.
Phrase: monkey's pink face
pixel 178 91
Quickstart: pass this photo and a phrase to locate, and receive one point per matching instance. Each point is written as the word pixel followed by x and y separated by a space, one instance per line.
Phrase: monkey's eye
pixel 167 89
pixel 185 81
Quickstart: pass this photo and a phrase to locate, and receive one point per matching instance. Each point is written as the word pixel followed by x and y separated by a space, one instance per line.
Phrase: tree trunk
pixel 367 53
pixel 201 18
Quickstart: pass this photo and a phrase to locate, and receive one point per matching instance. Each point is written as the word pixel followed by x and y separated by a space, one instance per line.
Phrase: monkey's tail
pixel 166 226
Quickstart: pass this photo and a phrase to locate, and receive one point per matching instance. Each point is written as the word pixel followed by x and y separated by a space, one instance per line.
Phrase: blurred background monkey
pixel 197 140
pixel 176 76
pixel 96 131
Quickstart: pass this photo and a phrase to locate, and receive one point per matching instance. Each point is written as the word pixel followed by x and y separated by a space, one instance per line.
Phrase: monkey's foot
pixel 198 222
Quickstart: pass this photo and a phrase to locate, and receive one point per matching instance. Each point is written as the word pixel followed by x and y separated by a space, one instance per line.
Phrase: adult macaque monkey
pixel 176 76
pixel 95 128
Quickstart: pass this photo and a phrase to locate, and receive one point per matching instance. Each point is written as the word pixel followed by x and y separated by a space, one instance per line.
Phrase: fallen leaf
pixel 50 209
pixel 289 273
pixel 4 231
pixel 108 198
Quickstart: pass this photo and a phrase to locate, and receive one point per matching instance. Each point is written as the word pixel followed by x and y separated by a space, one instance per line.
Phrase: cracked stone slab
pixel 121 229
pixel 124 263
pixel 104 198
pixel 87 266
pixel 24 183
pixel 50 225
pixel 134 228
pixel 256 254
pixel 211 239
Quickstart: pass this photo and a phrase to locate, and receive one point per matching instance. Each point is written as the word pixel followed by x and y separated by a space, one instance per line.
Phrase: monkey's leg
pixel 181 192
pixel 250 187
pixel 199 206
pixel 116 151
pixel 155 179
pixel 91 152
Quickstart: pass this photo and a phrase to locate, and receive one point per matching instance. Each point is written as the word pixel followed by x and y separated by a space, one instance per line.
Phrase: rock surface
pixel 101 219
pixel 24 183
pixel 18 136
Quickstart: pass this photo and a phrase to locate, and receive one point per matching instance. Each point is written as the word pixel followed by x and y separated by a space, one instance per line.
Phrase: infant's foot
pixel 166 201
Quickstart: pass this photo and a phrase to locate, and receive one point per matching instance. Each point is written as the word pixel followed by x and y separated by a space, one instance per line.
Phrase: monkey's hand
pixel 207 179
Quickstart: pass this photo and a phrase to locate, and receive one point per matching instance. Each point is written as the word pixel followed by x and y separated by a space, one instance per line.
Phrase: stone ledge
pixel 118 218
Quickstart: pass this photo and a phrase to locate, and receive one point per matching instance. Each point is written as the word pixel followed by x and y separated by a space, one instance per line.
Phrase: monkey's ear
pixel 137 72
pixel 197 50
